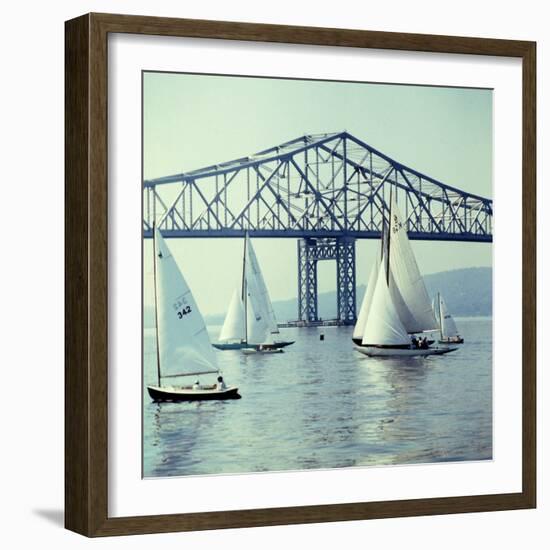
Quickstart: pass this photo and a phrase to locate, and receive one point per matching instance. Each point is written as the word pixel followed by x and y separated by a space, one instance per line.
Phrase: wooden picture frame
pixel 86 282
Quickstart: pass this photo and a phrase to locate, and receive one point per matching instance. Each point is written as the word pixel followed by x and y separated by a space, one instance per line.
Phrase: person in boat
pixel 414 341
pixel 424 344
pixel 197 385
pixel 220 386
pixel 419 343
pixel 265 347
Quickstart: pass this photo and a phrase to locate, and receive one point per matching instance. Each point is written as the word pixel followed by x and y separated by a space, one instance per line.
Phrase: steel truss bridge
pixel 326 190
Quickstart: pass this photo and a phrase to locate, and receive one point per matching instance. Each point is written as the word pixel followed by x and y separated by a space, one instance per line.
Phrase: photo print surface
pixel 317 274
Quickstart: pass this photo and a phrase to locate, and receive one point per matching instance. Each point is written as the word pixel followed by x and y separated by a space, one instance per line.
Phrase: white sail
pixel 405 314
pixel 447 323
pixel 233 327
pixel 383 326
pixel 183 343
pixel 263 294
pixel 359 328
pixel 407 285
pixel 257 324
pixel 257 327
pixel 366 304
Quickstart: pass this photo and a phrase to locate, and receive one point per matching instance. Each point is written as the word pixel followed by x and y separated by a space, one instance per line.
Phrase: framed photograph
pixel 300 275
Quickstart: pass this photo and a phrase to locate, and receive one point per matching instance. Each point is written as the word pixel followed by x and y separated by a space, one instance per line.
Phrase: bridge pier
pixel 313 250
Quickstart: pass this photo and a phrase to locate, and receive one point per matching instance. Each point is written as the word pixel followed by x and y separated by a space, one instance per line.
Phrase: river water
pixel 323 405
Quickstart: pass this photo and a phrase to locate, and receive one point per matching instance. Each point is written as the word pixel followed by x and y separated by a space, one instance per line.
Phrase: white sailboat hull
pixel 372 351
pixel 251 351
pixel 452 340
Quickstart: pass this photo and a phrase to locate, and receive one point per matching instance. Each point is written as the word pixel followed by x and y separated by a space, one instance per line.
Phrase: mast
pixel 383 239
pixel 243 291
pixel 389 239
pixel 156 304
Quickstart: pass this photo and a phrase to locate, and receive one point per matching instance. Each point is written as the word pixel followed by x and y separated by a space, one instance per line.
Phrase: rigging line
pixel 156 302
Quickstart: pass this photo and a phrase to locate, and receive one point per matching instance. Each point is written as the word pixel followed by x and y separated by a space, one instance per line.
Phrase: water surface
pixel 322 405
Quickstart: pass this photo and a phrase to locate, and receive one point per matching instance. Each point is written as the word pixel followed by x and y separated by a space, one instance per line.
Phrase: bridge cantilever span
pixel 331 187
pixel 334 184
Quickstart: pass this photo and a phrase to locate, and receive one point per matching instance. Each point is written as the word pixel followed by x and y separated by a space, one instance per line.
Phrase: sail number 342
pixel 183 312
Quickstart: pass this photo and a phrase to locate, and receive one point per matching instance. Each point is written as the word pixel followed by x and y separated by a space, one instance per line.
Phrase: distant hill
pixel 467 292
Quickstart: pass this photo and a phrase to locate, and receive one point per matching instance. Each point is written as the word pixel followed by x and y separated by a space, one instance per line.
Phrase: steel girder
pixel 307 281
pixel 328 185
pixel 310 252
pixel 345 269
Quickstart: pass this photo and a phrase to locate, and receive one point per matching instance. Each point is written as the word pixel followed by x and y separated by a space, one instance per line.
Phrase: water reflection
pixel 322 405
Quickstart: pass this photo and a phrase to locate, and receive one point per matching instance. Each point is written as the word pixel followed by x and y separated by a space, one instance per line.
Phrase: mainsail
pixel 263 294
pixel 183 344
pixel 383 326
pixel 446 322
pixel 257 326
pixel 406 284
pixel 234 325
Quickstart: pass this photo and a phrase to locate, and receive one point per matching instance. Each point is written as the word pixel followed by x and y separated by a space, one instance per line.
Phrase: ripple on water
pixel 323 405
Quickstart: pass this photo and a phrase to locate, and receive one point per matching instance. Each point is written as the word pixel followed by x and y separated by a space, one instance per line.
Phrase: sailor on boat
pixel 220 386
pixel 183 345
pixel 396 302
pixel 267 347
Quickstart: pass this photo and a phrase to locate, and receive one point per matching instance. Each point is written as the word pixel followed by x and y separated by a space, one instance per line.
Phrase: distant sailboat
pixel 234 326
pixel 259 323
pixel 183 345
pixel 447 327
pixel 396 303
pixel 250 320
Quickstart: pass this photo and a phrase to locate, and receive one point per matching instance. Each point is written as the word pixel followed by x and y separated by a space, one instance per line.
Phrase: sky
pixel 191 121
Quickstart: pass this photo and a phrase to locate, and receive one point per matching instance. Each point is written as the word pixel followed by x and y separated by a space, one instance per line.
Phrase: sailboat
pixel 447 327
pixel 251 300
pixel 183 345
pixel 396 303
